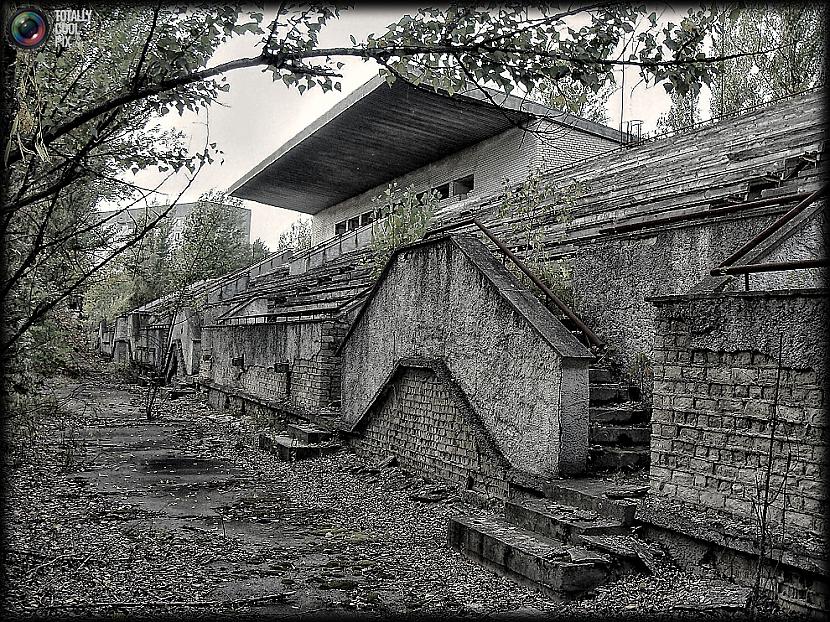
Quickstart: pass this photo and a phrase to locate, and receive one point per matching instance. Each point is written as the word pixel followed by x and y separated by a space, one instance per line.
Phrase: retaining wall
pixel 523 373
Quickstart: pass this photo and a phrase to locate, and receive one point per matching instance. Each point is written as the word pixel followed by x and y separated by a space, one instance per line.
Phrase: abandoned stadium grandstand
pixel 638 413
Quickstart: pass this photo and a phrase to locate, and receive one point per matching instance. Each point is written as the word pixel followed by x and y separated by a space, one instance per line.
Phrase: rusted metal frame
pixel 713 212
pixel 450 227
pixel 772 228
pixel 506 252
pixel 776 266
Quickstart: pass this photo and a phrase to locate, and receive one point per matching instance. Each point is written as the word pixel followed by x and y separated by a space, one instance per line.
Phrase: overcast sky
pixel 258 115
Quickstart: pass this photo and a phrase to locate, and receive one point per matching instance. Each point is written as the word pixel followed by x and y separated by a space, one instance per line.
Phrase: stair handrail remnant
pixel 727 265
pixel 592 337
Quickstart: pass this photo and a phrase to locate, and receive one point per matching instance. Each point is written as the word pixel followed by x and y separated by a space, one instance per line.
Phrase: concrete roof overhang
pixel 377 133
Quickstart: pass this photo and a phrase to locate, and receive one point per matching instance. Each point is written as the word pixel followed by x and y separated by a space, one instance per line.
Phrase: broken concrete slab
pixel 562 522
pixel 527 557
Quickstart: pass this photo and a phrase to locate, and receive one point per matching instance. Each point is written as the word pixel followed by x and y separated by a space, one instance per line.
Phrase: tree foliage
pixel 574 97
pixel 795 32
pixel 297 237
pixel 401 216
pixel 208 244
pixel 82 118
pixel 684 112
pixel 522 206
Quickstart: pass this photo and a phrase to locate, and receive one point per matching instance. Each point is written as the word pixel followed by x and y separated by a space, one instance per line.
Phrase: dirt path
pixel 183 514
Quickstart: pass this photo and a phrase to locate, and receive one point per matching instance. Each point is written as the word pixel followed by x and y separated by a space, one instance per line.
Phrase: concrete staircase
pixel 619 432
pixel 566 543
pixel 301 440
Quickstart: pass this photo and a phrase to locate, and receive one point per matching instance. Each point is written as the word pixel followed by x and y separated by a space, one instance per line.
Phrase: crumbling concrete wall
pixel 524 374
pixel 187 333
pixel 289 362
pixel 613 277
pixel 715 378
pixel 805 239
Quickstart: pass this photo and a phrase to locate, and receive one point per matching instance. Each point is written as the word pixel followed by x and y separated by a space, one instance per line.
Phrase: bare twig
pixel 766 503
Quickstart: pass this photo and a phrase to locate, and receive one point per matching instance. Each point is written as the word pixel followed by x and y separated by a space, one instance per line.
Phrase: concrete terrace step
pixel 560 570
pixel 599 375
pixel 308 433
pixel 619 435
pixel 288 448
pixel 562 522
pixel 629 552
pixel 605 458
pixel 626 412
pixel 612 393
pixel 618 545
pixel 589 494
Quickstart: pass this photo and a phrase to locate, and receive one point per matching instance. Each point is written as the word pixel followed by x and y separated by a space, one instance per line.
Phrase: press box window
pixel 340 228
pixel 442 191
pixel 366 218
pixel 354 223
pixel 462 187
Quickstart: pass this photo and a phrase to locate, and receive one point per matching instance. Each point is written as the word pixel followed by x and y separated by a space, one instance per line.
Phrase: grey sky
pixel 257 115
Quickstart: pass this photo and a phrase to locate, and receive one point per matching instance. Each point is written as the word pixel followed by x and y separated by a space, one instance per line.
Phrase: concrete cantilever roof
pixel 380 132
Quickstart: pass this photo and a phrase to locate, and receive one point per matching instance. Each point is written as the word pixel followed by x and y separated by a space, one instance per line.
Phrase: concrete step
pixel 559 570
pixel 599 375
pixel 589 494
pixel 625 412
pixel 619 435
pixel 618 545
pixel 561 522
pixel 612 393
pixel 308 433
pixel 603 458
pixel 629 552
pixel 289 449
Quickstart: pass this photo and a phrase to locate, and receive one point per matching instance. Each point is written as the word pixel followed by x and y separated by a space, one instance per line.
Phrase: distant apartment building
pixel 127 221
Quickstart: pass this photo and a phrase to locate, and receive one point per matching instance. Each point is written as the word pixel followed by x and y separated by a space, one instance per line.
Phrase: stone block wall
pixel 263 350
pixel 716 367
pixel 420 423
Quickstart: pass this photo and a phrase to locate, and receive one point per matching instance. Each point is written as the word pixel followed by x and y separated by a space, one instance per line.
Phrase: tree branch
pixel 376 53
pixel 141 59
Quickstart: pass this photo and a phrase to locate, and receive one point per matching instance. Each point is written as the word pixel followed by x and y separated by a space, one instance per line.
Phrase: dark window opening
pixel 758 185
pixel 462 187
pixel 354 223
pixel 340 228
pixel 366 218
pixel 443 191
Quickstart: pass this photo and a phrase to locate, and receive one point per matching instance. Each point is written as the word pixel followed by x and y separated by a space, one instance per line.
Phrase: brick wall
pixel 420 423
pixel 715 371
pixel 559 146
